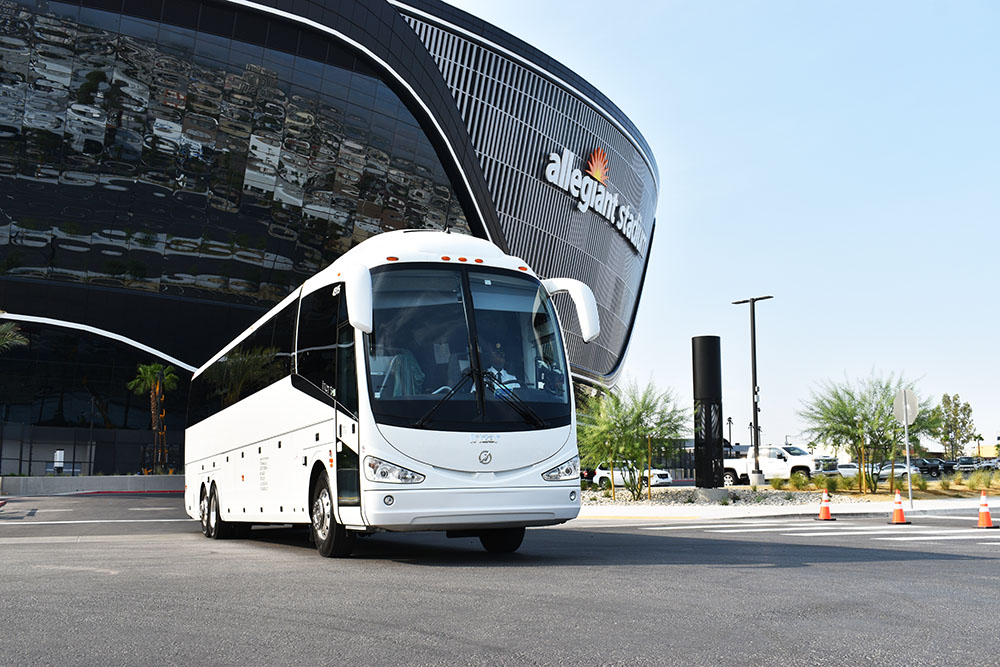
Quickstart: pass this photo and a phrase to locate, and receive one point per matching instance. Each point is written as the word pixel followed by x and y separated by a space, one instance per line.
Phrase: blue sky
pixel 841 156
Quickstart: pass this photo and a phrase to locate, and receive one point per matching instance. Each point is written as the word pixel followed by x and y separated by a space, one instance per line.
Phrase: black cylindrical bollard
pixel 706 361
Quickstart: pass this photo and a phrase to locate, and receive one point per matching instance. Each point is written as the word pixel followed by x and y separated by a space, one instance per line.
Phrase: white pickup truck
pixel 776 461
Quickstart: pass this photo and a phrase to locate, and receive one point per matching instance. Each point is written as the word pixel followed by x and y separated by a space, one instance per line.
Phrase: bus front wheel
pixel 502 540
pixel 331 538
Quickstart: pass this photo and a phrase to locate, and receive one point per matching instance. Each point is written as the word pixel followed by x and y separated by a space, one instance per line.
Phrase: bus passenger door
pixel 348 470
pixel 326 358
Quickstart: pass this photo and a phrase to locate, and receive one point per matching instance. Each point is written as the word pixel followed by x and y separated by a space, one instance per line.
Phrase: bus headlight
pixel 377 470
pixel 568 470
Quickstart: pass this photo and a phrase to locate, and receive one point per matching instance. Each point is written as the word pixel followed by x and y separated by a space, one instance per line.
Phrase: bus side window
pixel 317 345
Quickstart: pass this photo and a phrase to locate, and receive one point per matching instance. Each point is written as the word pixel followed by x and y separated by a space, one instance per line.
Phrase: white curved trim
pixel 100 332
pixel 541 70
pixel 327 29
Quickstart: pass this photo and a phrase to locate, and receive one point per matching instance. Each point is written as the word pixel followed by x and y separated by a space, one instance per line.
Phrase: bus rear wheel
pixel 220 529
pixel 502 540
pixel 331 538
pixel 206 526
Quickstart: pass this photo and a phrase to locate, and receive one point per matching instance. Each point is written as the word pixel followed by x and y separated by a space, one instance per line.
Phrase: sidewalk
pixel 694 512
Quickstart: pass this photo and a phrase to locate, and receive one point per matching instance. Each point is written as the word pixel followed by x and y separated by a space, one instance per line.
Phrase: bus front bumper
pixel 408 509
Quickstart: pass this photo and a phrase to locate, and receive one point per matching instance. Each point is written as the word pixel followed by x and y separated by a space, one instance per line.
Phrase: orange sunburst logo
pixel 597 166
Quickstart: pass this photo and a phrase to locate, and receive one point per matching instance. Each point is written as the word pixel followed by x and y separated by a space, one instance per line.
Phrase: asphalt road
pixel 128 580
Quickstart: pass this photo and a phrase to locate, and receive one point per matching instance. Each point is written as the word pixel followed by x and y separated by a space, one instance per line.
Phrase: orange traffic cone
pixel 824 508
pixel 897 512
pixel 984 513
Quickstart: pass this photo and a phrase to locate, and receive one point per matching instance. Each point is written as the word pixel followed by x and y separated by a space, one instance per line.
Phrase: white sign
pixel 905 407
pixel 591 190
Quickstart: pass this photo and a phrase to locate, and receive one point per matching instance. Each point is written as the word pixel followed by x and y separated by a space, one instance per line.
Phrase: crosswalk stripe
pixel 771 529
pixel 955 535
pixel 857 531
pixel 713 525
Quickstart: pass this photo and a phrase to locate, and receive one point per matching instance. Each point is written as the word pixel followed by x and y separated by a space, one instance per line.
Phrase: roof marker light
pixel 393 259
pixel 522 268
pixel 462 259
pixel 479 261
pixel 445 257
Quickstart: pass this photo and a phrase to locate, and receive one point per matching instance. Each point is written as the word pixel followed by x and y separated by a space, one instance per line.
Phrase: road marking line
pixel 55 523
pixel 712 525
pixel 150 509
pixel 944 536
pixel 770 530
pixel 858 531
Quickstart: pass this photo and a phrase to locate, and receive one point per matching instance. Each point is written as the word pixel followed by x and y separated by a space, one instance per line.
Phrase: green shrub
pixel 832 483
pixel 920 482
pixel 777 483
pixel 798 481
pixel 980 479
pixel 724 501
pixel 945 483
pixel 789 495
pixel 606 493
pixel 957 479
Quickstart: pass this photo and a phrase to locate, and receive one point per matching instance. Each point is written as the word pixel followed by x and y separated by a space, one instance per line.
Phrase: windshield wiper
pixel 458 385
pixel 514 401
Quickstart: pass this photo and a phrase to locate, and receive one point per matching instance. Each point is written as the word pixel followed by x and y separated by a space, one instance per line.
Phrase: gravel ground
pixel 736 496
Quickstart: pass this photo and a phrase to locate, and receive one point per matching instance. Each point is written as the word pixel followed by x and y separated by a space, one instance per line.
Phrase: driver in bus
pixel 498 366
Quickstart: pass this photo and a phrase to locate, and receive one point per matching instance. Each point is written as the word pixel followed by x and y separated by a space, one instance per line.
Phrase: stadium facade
pixel 171 169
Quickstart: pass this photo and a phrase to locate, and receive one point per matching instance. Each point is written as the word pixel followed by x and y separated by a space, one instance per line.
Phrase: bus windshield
pixel 465 348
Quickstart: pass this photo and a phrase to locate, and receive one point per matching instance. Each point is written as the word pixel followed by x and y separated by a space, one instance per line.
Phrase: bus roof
pixel 417 245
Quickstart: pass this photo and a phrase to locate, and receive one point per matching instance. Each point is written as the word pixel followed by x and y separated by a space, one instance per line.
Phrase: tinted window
pixel 258 361
pixel 326 346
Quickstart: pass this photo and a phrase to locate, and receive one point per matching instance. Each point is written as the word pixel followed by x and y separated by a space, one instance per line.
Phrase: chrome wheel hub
pixel 213 506
pixel 203 508
pixel 322 512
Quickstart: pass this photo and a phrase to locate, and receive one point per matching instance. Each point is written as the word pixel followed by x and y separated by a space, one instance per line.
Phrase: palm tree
pixel 156 380
pixel 11 336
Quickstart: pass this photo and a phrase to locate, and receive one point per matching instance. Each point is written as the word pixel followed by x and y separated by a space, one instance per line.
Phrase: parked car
pixel 927 466
pixel 966 464
pixel 847 469
pixel 947 467
pixel 825 465
pixel 602 477
pixel 586 475
pixel 898 470
pixel 988 464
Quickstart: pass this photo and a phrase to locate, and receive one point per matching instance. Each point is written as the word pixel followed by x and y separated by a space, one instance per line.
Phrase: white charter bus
pixel 420 382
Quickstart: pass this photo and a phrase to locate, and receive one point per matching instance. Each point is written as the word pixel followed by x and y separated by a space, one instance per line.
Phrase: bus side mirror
pixel 586 304
pixel 358 282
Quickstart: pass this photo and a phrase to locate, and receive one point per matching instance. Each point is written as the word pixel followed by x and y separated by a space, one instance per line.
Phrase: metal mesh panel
pixel 517 116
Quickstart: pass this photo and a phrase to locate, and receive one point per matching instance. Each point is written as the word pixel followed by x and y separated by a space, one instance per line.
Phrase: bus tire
pixel 502 540
pixel 331 538
pixel 206 525
pixel 221 529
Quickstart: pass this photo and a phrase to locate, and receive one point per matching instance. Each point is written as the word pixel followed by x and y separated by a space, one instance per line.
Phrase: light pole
pixel 757 478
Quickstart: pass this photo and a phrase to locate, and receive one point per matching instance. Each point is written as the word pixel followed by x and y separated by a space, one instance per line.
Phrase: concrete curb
pixel 54 486
pixel 694 512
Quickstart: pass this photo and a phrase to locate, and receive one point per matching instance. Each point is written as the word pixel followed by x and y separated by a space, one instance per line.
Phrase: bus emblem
pixel 485 457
